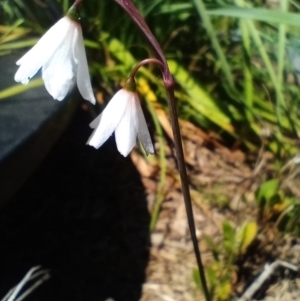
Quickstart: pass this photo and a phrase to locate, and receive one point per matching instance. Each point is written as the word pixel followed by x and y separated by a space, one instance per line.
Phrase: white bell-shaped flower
pixel 124 116
pixel 61 55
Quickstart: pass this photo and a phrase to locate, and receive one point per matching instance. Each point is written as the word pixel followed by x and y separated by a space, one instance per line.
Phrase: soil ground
pixel 85 216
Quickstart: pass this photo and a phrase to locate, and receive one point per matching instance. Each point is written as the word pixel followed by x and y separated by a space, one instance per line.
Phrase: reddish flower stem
pixel 77 3
pixel 135 15
pixel 145 62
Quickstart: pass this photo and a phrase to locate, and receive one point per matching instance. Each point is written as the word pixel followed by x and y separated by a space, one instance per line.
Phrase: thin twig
pixel 268 270
pixel 14 292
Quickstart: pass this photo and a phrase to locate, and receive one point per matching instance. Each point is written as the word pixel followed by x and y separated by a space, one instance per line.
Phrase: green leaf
pixel 228 237
pixel 224 291
pixel 200 99
pixel 211 276
pixel 119 51
pixel 213 246
pixel 196 278
pixel 246 235
pixel 267 191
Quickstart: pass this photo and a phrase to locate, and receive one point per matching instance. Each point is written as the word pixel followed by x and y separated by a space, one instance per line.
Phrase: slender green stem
pixel 162 159
pixel 163 168
pixel 248 80
pixel 135 15
pixel 281 57
pixel 281 44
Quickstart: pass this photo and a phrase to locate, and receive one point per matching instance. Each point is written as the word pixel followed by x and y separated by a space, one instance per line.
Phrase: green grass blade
pixel 17 89
pixel 274 78
pixel 214 40
pixel 281 57
pixel 10 29
pixel 17 45
pixel 175 8
pixel 258 14
pixel 162 164
pixel 282 44
pixel 248 80
pixel 201 100
pixel 118 49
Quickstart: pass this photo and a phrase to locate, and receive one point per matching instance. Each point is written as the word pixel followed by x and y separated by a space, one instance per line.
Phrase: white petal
pixel 58 71
pixel 83 77
pixel 35 58
pixel 109 119
pixel 142 128
pixel 125 132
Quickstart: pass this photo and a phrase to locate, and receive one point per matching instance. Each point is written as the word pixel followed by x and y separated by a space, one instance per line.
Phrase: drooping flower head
pixel 124 116
pixel 61 55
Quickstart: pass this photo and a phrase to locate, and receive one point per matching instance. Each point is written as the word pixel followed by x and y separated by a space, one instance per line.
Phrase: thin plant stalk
pixel 248 80
pixel 281 44
pixel 163 168
pixel 281 55
pixel 135 15
pixel 162 152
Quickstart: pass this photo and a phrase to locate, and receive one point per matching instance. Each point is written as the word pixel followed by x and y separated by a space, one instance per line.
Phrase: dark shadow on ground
pixel 83 215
